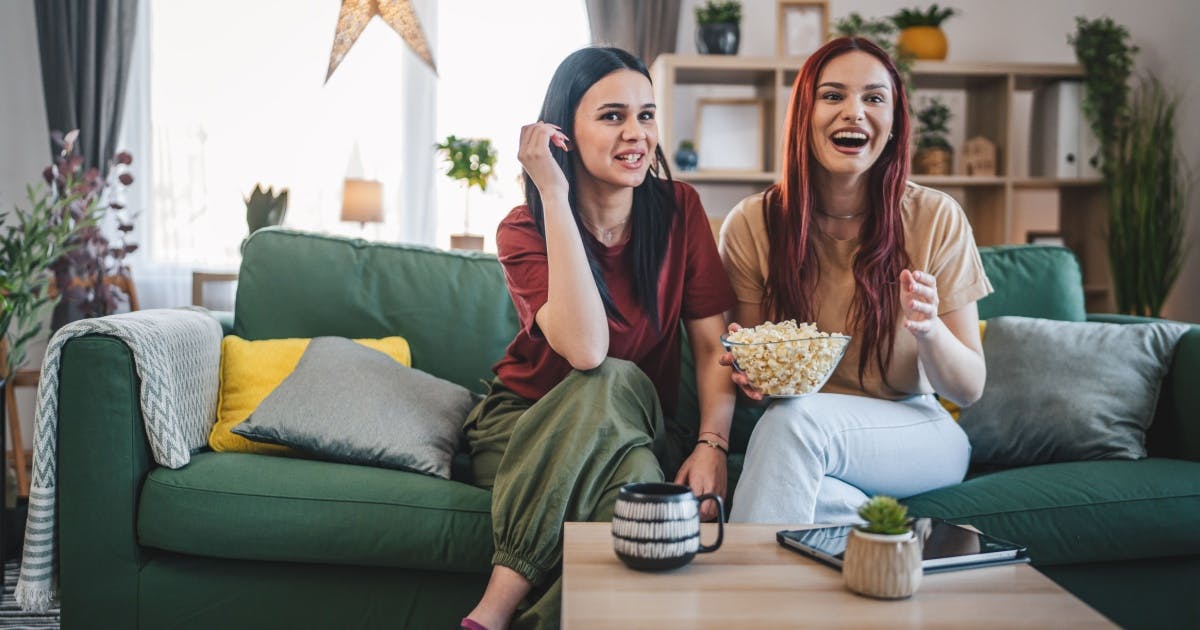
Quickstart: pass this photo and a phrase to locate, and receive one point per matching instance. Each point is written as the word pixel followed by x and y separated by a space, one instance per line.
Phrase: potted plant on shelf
pixel 718 30
pixel 883 557
pixel 470 161
pixel 921 31
pixel 686 157
pixel 934 155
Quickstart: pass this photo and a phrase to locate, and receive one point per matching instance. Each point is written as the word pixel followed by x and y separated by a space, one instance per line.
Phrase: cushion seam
pixel 1076 505
pixel 322 500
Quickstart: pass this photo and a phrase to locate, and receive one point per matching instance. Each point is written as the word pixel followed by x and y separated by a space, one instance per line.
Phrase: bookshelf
pixel 998 206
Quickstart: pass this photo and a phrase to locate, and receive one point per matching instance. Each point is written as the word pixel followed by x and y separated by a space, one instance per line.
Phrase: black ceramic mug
pixel 656 526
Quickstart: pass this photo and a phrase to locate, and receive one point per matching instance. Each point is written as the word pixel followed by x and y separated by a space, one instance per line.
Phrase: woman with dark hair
pixel 604 261
pixel 845 241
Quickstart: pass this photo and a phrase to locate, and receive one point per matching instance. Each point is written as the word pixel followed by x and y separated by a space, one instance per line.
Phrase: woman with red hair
pixel 846 241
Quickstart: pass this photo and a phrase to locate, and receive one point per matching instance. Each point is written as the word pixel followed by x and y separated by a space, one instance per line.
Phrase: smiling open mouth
pixel 850 139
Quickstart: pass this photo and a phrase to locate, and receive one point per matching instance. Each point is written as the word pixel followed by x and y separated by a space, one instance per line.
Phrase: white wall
pixel 1036 31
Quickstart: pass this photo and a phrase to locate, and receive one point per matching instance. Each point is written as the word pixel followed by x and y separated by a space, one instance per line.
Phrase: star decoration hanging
pixel 398 14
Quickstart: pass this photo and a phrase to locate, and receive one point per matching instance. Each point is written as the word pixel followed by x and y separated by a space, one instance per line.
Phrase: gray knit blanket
pixel 177 355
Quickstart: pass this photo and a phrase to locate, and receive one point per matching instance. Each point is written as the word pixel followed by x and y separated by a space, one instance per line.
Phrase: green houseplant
pixel 1103 49
pixel 883 557
pixel 934 155
pixel 472 162
pixel 31 241
pixel 921 32
pixel 718 27
pixel 265 207
pixel 1148 186
pixel 1145 177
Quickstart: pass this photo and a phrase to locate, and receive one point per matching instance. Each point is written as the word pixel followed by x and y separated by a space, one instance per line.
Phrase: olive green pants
pixel 561 458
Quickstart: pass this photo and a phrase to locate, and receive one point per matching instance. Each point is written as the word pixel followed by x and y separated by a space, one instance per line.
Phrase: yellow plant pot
pixel 924 42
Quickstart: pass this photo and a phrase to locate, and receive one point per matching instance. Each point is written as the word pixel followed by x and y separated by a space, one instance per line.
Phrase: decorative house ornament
pixel 398 14
pixel 979 157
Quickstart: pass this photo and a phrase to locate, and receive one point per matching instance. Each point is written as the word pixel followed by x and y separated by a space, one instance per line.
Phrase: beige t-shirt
pixel 939 240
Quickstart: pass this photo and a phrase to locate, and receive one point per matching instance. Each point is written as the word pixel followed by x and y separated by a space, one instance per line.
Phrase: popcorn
pixel 786 359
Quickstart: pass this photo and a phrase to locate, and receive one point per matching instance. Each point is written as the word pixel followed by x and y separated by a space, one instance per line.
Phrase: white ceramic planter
pixel 882 566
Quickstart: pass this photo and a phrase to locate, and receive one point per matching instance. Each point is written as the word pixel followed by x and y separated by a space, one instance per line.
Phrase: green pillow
pixel 1066 391
pixel 349 403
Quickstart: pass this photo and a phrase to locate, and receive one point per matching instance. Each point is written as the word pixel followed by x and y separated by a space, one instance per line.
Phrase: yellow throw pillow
pixel 251 370
pixel 951 407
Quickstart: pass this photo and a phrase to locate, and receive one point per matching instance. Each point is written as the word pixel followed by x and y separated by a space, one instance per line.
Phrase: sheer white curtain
pixel 227 94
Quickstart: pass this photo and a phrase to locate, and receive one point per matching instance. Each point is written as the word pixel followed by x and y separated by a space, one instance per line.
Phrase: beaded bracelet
pixel 715 444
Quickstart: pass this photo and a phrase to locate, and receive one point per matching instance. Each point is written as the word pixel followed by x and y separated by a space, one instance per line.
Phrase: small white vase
pixel 881 565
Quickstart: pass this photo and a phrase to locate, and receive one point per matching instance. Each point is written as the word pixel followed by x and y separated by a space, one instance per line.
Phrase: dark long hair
pixel 789 205
pixel 654 204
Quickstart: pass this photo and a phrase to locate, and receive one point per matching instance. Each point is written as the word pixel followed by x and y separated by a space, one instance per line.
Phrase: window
pixel 237 98
pixel 495 60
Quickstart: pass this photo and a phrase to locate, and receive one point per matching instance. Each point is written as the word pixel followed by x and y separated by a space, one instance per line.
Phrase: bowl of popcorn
pixel 786 359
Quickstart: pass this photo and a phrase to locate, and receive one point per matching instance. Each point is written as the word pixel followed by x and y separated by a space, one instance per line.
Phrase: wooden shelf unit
pixel 990 90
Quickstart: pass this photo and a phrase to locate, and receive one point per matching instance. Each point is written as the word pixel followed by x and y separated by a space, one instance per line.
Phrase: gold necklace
pixel 608 234
pixel 840 216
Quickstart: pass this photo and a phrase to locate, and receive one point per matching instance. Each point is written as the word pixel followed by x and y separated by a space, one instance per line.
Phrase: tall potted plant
pixel 1148 189
pixel 1144 173
pixel 470 161
pixel 718 27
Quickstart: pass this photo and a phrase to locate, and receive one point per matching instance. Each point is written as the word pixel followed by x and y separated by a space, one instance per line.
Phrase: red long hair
pixel 789 205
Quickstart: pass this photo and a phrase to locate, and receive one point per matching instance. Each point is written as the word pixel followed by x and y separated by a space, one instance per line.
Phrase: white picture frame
pixel 803 26
pixel 729 134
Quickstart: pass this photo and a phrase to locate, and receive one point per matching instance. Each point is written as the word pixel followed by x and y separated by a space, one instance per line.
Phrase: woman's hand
pixel 919 299
pixel 537 160
pixel 705 471
pixel 738 378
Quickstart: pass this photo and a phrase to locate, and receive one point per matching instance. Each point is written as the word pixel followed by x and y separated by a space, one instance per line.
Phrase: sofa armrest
pixel 1176 428
pixel 225 318
pixel 103 460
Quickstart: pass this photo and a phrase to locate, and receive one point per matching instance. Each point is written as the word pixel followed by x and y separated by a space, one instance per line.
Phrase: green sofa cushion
pixel 1032 281
pixel 452 307
pixel 1074 512
pixel 256 507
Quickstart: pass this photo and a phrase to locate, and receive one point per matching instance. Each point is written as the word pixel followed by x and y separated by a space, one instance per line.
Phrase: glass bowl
pixel 788 369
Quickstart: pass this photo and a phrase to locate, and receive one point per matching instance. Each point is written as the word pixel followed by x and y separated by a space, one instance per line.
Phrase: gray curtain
pixel 645 28
pixel 85 47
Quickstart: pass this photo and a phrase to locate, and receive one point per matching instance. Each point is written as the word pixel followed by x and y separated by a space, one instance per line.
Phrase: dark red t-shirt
pixel 691 285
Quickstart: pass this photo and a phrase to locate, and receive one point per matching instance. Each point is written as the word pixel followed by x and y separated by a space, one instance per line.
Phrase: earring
pixel 891 137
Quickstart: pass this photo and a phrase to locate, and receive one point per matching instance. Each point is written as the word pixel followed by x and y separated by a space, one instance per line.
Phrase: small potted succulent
pixel 718 29
pixel 883 557
pixel 934 154
pixel 921 31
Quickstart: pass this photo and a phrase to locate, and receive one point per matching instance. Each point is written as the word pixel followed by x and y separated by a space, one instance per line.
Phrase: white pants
pixel 816 459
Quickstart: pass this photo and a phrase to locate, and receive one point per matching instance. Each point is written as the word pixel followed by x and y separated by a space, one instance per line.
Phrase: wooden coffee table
pixel 753 582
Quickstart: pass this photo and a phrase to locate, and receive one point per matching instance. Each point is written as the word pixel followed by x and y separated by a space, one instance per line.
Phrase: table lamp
pixel 362 201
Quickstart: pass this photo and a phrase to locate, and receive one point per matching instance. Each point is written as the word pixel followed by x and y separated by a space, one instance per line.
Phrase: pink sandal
pixel 470 624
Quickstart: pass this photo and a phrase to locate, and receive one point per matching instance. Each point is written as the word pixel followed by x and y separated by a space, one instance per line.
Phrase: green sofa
pixel 235 540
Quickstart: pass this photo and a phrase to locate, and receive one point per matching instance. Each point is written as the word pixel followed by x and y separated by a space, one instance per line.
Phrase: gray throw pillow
pixel 1065 391
pixel 349 403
